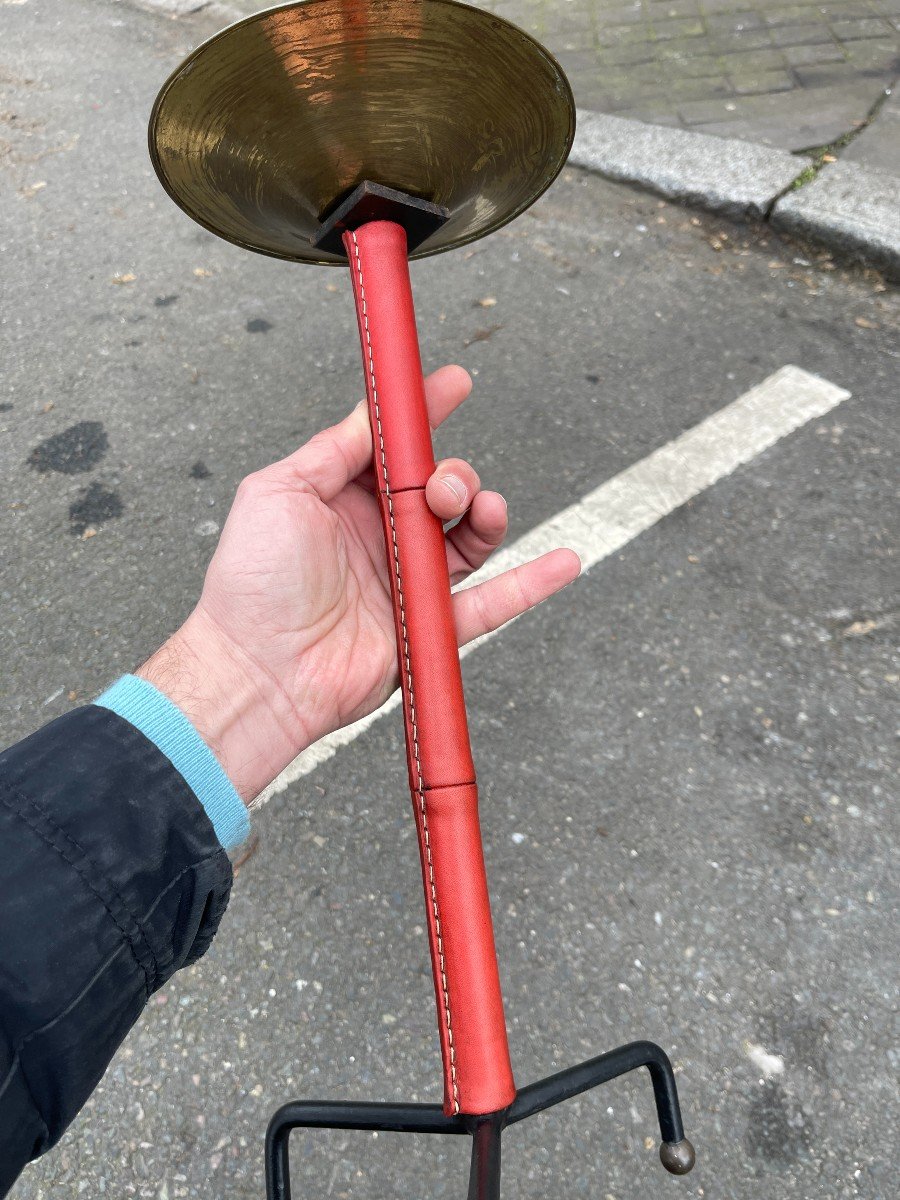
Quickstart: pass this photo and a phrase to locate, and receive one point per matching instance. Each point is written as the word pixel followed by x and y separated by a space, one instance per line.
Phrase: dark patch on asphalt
pixel 592 378
pixel 778 1130
pixel 164 301
pixel 97 504
pixel 258 325
pixel 5 407
pixel 78 448
pixel 790 827
pixel 200 470
pixel 805 1036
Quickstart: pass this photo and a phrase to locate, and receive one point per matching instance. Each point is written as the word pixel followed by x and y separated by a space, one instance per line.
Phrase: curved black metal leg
pixel 676 1152
pixel 330 1114
pixel 278 1167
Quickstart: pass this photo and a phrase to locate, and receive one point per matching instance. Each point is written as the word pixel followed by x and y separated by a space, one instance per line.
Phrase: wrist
pixel 243 716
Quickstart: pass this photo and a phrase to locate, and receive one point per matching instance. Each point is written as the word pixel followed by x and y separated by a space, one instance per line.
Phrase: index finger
pixel 334 457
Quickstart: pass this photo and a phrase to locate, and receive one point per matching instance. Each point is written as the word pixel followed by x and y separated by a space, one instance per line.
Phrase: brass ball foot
pixel 677 1157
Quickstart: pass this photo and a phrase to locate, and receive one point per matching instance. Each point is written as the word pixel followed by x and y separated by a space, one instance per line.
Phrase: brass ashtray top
pixel 264 129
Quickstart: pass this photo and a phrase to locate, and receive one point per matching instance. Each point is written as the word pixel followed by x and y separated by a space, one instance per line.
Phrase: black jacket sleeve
pixel 112 879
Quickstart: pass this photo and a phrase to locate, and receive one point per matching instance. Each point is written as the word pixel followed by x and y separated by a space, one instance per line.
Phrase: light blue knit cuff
pixel 142 705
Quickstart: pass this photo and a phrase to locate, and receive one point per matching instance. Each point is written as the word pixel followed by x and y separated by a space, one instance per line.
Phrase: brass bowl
pixel 270 124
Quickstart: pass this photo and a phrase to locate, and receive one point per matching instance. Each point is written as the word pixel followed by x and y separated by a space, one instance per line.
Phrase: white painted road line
pixel 614 513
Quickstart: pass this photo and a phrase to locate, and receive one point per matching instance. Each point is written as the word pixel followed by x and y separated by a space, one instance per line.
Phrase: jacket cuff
pixel 163 723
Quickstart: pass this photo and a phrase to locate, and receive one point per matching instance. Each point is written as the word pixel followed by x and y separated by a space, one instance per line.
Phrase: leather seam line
pixel 415 487
pixel 420 789
pixel 443 787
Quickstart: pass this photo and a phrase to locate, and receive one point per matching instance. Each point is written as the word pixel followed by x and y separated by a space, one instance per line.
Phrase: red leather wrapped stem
pixel 477 1074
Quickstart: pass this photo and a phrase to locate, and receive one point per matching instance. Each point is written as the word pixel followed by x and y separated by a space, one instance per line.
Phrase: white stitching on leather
pixel 420 790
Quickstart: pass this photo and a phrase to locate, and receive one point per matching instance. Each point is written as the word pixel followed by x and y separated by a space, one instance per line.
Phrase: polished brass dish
pixel 264 129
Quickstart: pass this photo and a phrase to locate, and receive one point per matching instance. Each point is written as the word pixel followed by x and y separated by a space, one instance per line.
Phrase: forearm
pixel 113 879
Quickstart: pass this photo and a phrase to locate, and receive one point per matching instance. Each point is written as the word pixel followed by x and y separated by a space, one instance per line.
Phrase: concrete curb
pixel 738 179
pixel 848 208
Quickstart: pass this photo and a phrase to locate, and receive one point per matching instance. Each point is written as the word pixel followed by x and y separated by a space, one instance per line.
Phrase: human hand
pixel 293 635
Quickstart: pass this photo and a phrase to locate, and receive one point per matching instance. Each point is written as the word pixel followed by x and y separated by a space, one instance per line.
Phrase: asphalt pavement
pixel 685 759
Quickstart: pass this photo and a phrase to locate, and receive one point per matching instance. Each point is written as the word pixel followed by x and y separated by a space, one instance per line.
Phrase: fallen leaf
pixel 202 273
pixel 32 189
pixel 829 158
pixel 127 278
pixel 865 323
pixel 487 302
pixel 89 533
pixel 482 335
pixel 859 628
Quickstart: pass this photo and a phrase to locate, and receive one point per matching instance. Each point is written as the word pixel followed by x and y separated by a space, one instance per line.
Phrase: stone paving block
pixel 720 6
pixel 736 178
pixel 804 56
pixel 687 27
pixel 793 120
pixel 710 66
pixel 662 10
pixel 851 208
pixel 702 112
pixel 572 21
pixel 677 50
pixel 845 10
pixel 596 97
pixel 648 75
pixel 878 146
pixel 698 89
pixel 787 15
pixel 737 22
pixel 632 15
pixel 577 63
pixel 849 31
pixel 622 35
pixel 765 81
pixel 754 60
pixel 881 53
pixel 733 41
pixel 651 116
pixel 801 35
pixel 824 75
pixel 637 52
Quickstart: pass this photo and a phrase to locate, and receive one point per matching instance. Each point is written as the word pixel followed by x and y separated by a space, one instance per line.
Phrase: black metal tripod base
pixel 676 1152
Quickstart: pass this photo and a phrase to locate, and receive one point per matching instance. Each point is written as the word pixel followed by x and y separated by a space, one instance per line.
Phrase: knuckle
pixel 249 485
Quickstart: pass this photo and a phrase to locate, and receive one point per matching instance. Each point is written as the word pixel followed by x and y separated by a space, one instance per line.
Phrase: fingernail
pixel 457 487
